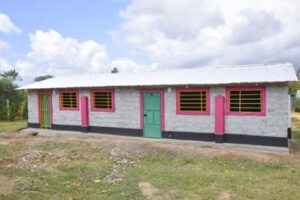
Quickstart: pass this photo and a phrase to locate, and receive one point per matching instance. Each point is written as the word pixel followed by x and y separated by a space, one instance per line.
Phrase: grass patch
pixel 73 168
pixel 295 119
pixel 208 178
pixel 81 175
pixel 12 126
pixel 296 133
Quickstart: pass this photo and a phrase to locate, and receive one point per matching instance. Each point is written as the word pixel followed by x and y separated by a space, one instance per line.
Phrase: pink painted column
pixel 219 118
pixel 84 113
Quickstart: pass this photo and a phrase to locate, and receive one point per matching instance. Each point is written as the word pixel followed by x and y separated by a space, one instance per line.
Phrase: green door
pixel 152 118
pixel 45 110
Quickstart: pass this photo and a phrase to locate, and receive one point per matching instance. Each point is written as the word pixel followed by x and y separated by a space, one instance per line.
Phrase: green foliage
pixel 11 100
pixel 296 133
pixel 297 105
pixel 294 87
pixel 25 113
pixel 11 75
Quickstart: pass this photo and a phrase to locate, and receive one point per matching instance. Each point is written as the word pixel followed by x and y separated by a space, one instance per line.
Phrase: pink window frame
pixel 162 106
pixel 49 92
pixel 248 88
pixel 113 107
pixel 178 112
pixel 77 97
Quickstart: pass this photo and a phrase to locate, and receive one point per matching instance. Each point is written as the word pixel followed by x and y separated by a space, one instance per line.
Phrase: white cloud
pixel 3 45
pixel 128 65
pixel 256 26
pixel 205 32
pixel 4 65
pixel 7 26
pixel 51 53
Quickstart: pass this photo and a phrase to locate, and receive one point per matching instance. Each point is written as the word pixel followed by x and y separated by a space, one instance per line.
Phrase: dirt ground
pixel 133 147
pixel 48 152
pixel 296 115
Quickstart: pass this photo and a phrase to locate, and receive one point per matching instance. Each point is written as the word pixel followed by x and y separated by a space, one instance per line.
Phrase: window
pixel 246 101
pixel 192 101
pixel 69 100
pixel 102 100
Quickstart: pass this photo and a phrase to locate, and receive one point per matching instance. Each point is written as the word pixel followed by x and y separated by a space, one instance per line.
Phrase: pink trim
pixel 84 112
pixel 49 92
pixel 263 99
pixel 162 106
pixel 77 97
pixel 112 109
pixel 207 112
pixel 219 115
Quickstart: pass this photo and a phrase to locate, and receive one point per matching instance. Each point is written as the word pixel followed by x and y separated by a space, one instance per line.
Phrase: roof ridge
pixel 224 66
pixel 167 70
pixel 229 74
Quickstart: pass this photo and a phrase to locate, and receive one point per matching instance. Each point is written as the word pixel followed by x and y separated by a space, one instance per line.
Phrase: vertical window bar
pixel 201 100
pixel 240 101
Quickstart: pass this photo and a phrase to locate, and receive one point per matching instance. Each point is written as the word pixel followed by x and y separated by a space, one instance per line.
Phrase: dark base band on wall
pixel 289 133
pixel 68 127
pixel 116 131
pixel 219 138
pixel 228 138
pixel 33 125
pixel 256 140
pixel 95 129
pixel 98 129
pixel 85 129
pixel 188 135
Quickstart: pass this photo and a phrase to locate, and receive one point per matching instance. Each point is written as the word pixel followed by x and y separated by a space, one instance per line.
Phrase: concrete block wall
pixel 127 113
pixel 64 117
pixel 33 115
pixel 275 123
pixel 127 110
pixel 190 123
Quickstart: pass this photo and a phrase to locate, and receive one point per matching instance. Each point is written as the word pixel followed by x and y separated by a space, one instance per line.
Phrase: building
pixel 232 104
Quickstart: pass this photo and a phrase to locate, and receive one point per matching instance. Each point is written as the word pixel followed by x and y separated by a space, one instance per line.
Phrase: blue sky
pixel 83 20
pixel 91 37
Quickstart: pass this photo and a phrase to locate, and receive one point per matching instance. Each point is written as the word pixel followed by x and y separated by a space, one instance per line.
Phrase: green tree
pixel 294 87
pixel 11 99
pixel 12 75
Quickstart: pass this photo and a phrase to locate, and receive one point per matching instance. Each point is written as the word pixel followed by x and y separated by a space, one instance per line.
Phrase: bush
pixel 10 100
pixel 297 105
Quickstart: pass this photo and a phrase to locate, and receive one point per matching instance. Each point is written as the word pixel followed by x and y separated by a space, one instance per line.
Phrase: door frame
pixel 49 92
pixel 162 106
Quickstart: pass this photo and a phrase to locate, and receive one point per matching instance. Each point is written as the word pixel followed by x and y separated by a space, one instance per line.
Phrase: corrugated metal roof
pixel 192 76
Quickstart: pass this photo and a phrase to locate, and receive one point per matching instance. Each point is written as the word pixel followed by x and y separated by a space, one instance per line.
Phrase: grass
pixel 209 178
pixel 54 168
pixel 176 178
pixel 12 126
pixel 296 133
